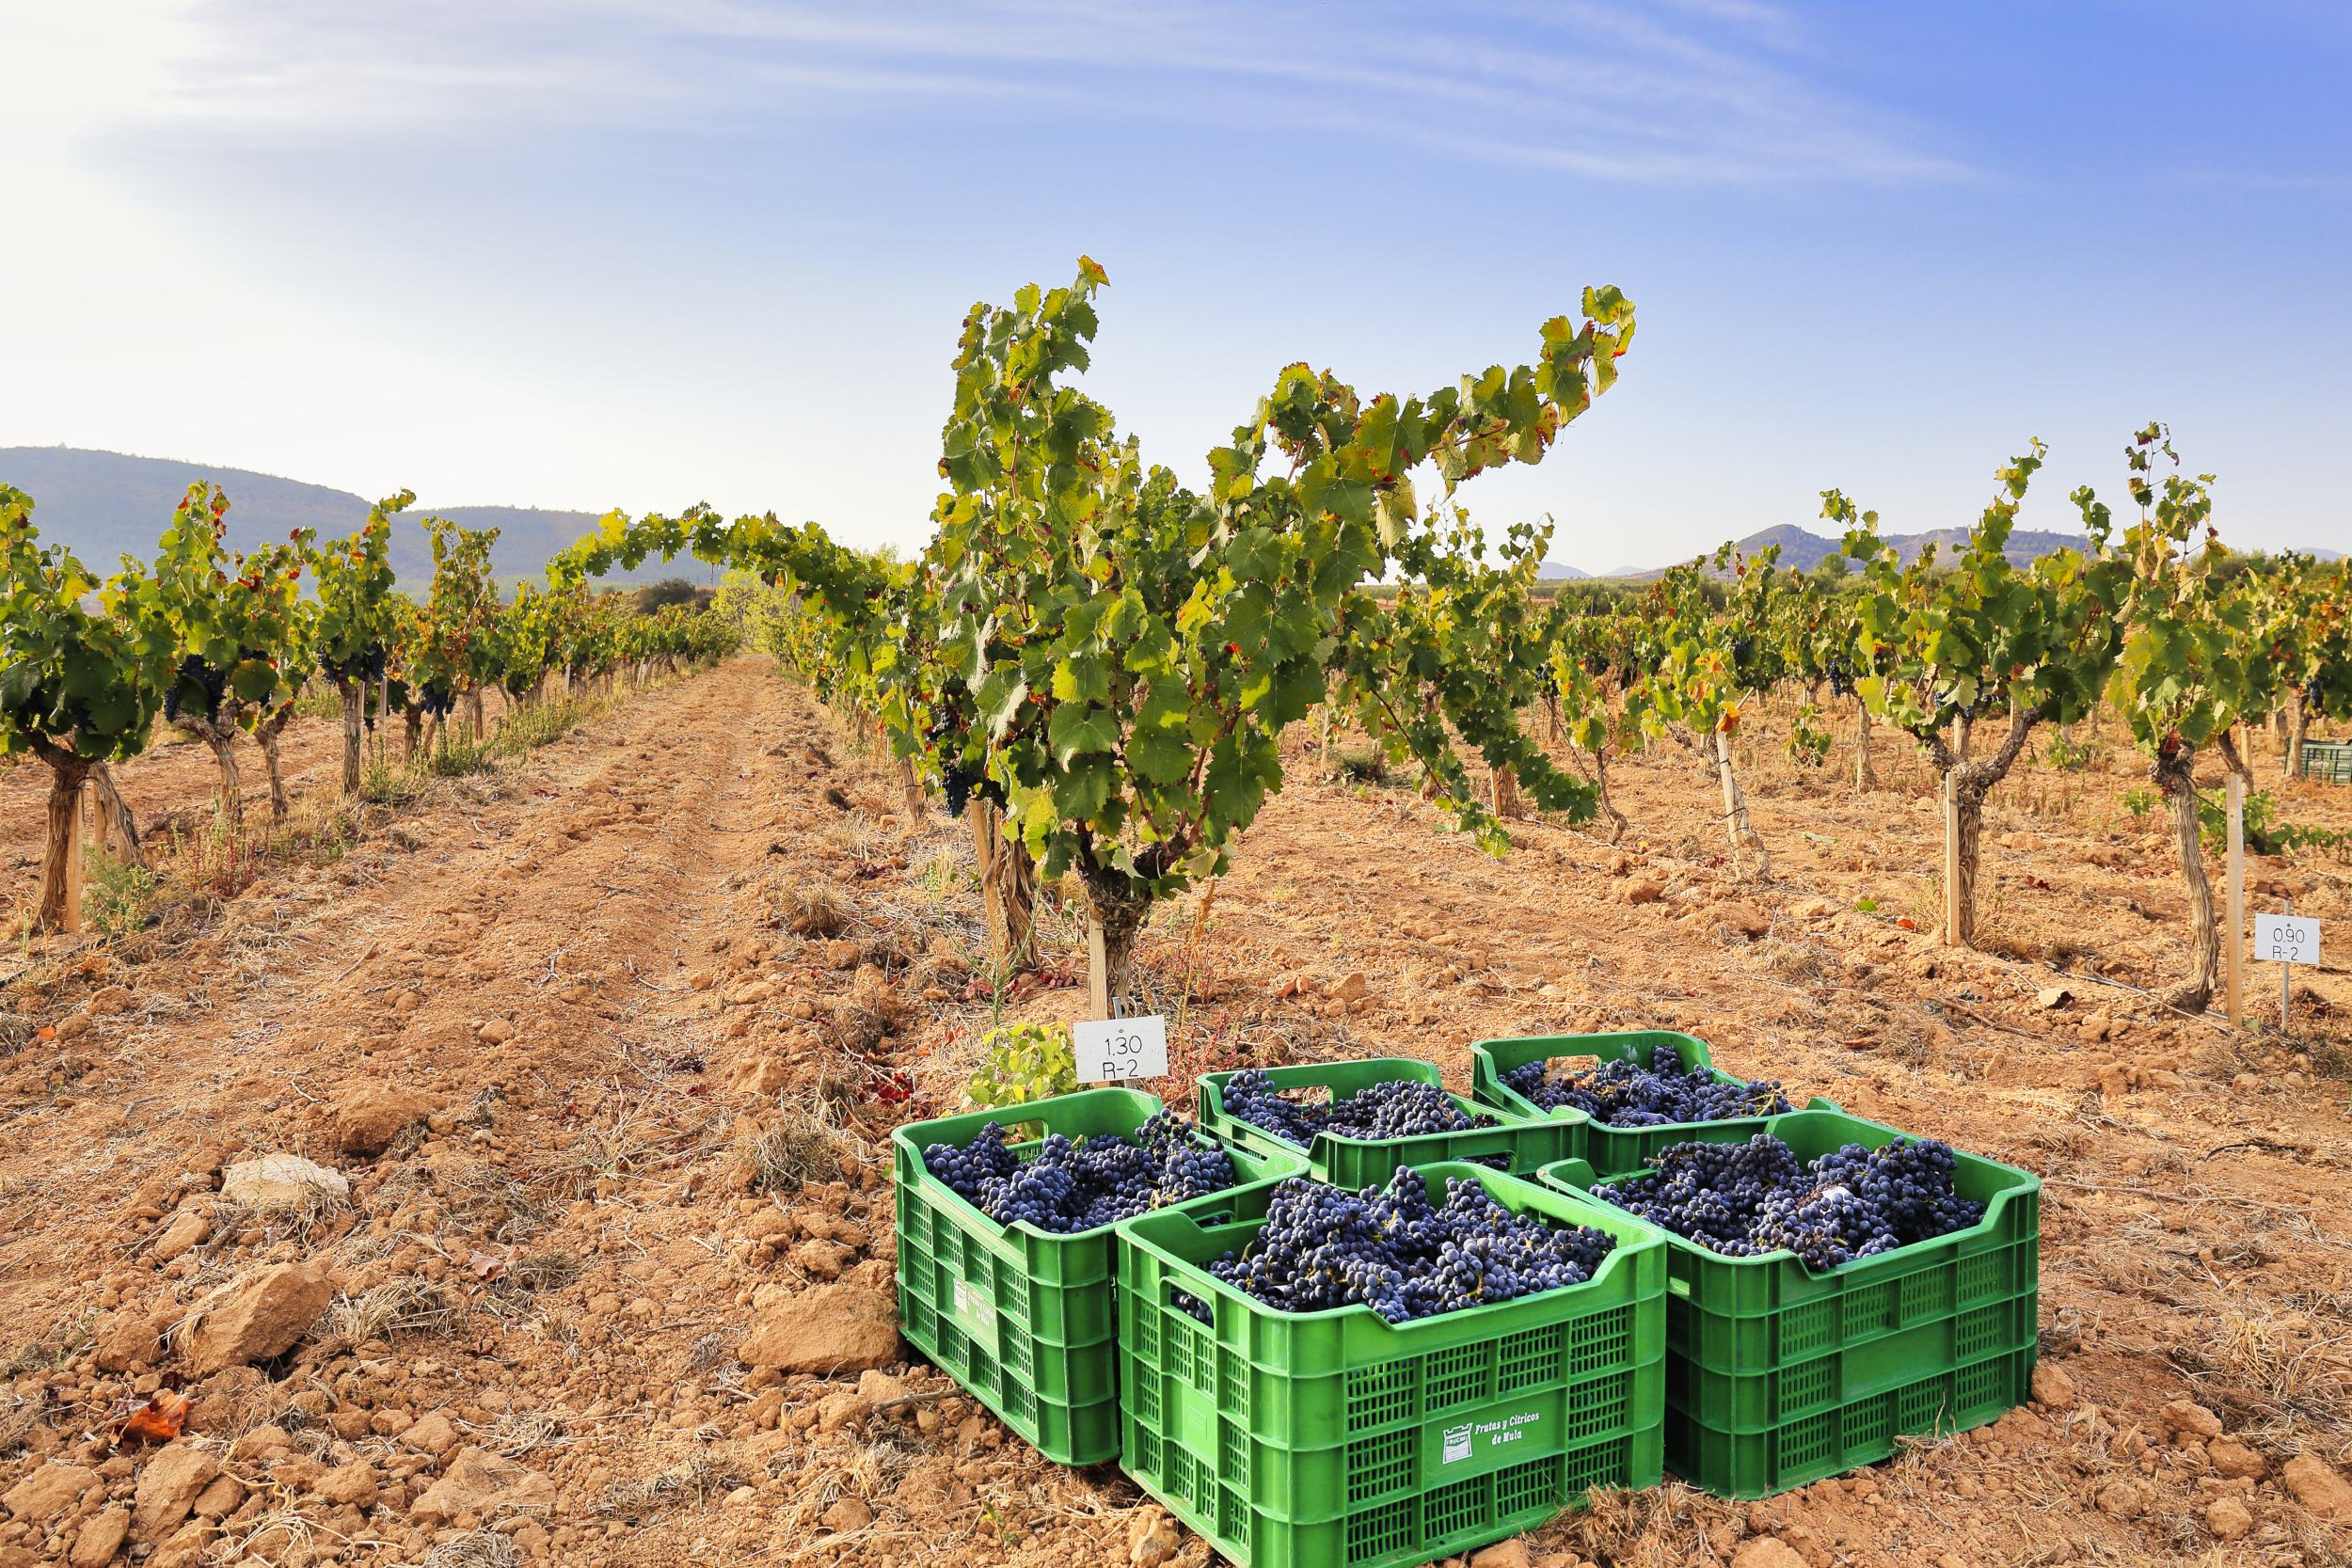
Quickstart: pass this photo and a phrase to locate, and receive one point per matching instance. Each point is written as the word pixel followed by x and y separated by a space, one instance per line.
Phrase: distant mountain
pixel 105 505
pixel 1802 551
pixel 1559 571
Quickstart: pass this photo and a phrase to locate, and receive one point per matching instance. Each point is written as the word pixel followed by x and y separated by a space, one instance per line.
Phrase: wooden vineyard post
pixel 2234 955
pixel 76 859
pixel 1951 859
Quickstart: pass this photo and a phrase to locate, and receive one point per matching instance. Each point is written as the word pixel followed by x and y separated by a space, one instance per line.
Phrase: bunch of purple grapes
pixel 1744 1199
pixel 1623 1093
pixel 1097 1180
pixel 1392 1108
pixel 1394 1250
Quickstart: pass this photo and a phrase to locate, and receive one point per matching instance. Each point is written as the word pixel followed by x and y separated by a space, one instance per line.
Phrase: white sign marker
pixel 2286 939
pixel 1121 1050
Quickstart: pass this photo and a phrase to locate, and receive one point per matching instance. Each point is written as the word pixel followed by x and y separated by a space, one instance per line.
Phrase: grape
pixel 1099 1180
pixel 1622 1093
pixel 1392 1108
pixel 1742 1199
pixel 1392 1249
pixel 198 680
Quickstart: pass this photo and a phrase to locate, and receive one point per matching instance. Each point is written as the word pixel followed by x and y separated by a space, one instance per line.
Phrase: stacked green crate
pixel 1776 1377
pixel 1613 1150
pixel 1024 1318
pixel 1336 1439
pixel 1524 1143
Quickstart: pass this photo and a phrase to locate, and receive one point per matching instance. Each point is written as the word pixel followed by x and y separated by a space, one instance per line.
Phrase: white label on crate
pixel 1121 1050
pixel 979 1314
pixel 2286 939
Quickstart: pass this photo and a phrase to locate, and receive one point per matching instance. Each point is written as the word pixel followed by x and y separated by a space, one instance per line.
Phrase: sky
pixel 641 253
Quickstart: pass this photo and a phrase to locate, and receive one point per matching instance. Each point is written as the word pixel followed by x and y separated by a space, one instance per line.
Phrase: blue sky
pixel 643 252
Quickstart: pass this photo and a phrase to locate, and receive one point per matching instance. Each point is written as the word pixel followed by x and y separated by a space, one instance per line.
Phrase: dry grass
pixel 476 1548
pixel 18 1417
pixel 807 1143
pixel 813 909
pixel 694 1481
pixel 398 1309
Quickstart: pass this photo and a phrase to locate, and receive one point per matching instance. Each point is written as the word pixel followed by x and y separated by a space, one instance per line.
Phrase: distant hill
pixel 105 504
pixel 1802 551
pixel 1559 571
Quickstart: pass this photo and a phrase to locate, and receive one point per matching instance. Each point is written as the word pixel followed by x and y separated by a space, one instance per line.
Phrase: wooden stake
pixel 76 872
pixel 2233 955
pixel 1951 858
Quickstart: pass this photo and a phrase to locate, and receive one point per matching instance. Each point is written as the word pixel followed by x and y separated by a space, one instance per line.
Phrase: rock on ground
pixel 482 1484
pixel 283 1181
pixel 168 1487
pixel 369 1116
pixel 256 1316
pixel 47 1491
pixel 832 1328
pixel 100 1539
pixel 2317 1488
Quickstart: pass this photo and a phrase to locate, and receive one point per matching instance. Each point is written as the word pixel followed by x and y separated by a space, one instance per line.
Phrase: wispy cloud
pixel 1698 92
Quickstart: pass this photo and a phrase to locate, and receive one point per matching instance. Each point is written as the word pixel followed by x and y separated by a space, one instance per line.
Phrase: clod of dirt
pixel 2228 1518
pixel 284 1182
pixel 2052 1387
pixel 482 1483
pixel 1151 1537
pixel 256 1316
pixel 2191 1418
pixel 2235 1460
pixel 99 1539
pixel 2319 1488
pixel 47 1491
pixel 368 1116
pixel 1502 1554
pixel 832 1328
pixel 168 1488
pixel 1765 1552
pixel 1645 890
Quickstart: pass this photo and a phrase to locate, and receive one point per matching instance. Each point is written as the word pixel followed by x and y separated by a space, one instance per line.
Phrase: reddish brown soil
pixel 588 961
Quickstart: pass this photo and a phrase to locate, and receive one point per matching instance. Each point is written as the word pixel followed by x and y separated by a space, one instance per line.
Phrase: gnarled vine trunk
pixel 1617 822
pixel 220 734
pixel 911 790
pixel 2298 724
pixel 267 733
pixel 411 722
pixel 1116 911
pixel 1008 887
pixel 66 774
pixel 473 714
pixel 1736 824
pixel 2175 774
pixel 355 702
pixel 1974 783
pixel 119 831
pixel 1864 777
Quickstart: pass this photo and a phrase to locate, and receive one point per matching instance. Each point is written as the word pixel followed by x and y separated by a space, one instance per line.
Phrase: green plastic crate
pixel 2329 761
pixel 1612 1150
pixel 1776 1377
pixel 1021 1317
pixel 1528 1142
pixel 1336 1439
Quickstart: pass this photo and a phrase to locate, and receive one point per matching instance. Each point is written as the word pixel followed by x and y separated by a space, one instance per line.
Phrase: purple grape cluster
pixel 1392 1249
pixel 1099 1180
pixel 1744 1199
pixel 1392 1108
pixel 1623 1093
